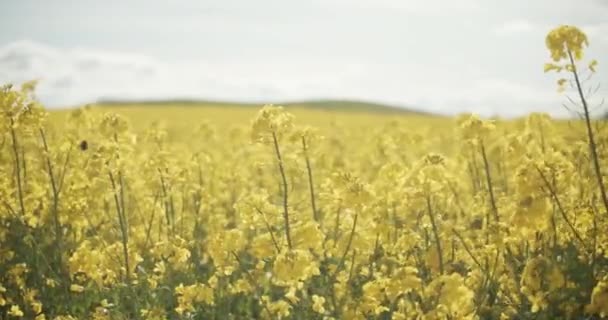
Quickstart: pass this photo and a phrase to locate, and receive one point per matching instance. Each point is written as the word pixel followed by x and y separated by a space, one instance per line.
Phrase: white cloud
pixel 514 27
pixel 597 32
pixel 416 7
pixel 81 75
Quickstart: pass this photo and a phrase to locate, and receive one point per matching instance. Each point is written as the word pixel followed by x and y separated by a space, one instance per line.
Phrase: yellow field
pixel 171 212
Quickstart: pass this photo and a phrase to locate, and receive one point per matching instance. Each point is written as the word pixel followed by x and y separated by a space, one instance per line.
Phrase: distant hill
pixel 342 105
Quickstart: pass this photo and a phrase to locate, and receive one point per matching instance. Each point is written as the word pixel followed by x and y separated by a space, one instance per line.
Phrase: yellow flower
pixel 15 311
pixel 599 299
pixel 291 267
pixel 280 308
pixel 113 124
pixel 241 286
pixel 187 296
pixel 308 236
pixel 552 66
pixel 593 65
pixel 3 301
pixel 271 122
pixel 76 288
pixel 404 280
pixel 454 297
pixel 156 313
pixel 51 282
pixel 354 192
pixel 561 84
pixel 539 279
pixel 474 128
pixel 36 307
pixel 318 303
pixel 564 39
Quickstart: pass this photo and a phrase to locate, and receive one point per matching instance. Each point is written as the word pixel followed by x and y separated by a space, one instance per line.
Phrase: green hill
pixel 342 105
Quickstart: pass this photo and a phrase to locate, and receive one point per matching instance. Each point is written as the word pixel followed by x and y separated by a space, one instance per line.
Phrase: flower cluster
pixel 111 213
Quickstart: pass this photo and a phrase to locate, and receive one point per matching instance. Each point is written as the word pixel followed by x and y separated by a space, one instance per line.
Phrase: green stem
pixel 486 166
pixel 468 250
pixel 123 226
pixel 55 208
pixel 274 240
pixel 435 232
pixel 592 144
pixel 285 191
pixel 348 245
pixel 310 182
pixel 17 167
pixel 168 212
pixel 560 207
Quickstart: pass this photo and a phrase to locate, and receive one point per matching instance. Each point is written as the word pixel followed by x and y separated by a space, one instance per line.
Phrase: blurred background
pixel 483 56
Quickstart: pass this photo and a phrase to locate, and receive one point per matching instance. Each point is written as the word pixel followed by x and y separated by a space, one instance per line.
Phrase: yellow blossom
pixel 599 299
pixel 593 65
pixel 76 288
pixel 15 311
pixel 564 39
pixel 318 303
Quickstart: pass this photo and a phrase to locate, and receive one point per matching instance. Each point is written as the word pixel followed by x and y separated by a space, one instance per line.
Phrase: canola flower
pixel 103 216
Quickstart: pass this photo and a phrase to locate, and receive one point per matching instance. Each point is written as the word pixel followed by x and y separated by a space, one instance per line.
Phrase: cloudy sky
pixel 483 56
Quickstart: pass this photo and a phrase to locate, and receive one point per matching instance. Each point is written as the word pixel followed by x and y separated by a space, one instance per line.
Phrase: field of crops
pixel 172 212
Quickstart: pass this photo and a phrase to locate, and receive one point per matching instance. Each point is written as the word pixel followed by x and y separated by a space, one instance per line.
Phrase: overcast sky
pixel 483 56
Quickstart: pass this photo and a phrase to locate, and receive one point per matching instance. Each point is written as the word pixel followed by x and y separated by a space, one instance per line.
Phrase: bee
pixel 84 145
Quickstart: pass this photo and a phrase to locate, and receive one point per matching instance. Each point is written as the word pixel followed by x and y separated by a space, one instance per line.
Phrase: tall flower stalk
pixel 566 45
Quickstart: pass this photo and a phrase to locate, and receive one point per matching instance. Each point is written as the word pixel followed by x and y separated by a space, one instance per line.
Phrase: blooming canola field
pixel 150 212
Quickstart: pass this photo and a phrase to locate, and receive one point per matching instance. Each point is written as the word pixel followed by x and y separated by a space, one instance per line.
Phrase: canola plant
pixel 362 216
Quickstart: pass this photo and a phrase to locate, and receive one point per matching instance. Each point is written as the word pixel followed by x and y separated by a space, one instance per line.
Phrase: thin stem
pixel 152 216
pixel 475 171
pixel 352 266
pixel 122 203
pixel 10 209
pixel 17 167
pixel 592 144
pixel 337 224
pixel 64 170
pixel 595 234
pixel 310 182
pixel 285 191
pixel 560 207
pixel 348 245
pixel 486 166
pixel 55 208
pixel 467 249
pixel 24 168
pixel 168 213
pixel 123 227
pixel 274 240
pixel 435 232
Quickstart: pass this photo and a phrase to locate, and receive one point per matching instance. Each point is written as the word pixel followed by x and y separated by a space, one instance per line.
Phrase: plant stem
pixel 55 208
pixel 435 232
pixel 348 245
pixel 486 166
pixel 592 144
pixel 274 241
pixel 167 199
pixel 468 250
pixel 17 167
pixel 285 192
pixel 560 207
pixel 310 182
pixel 123 226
